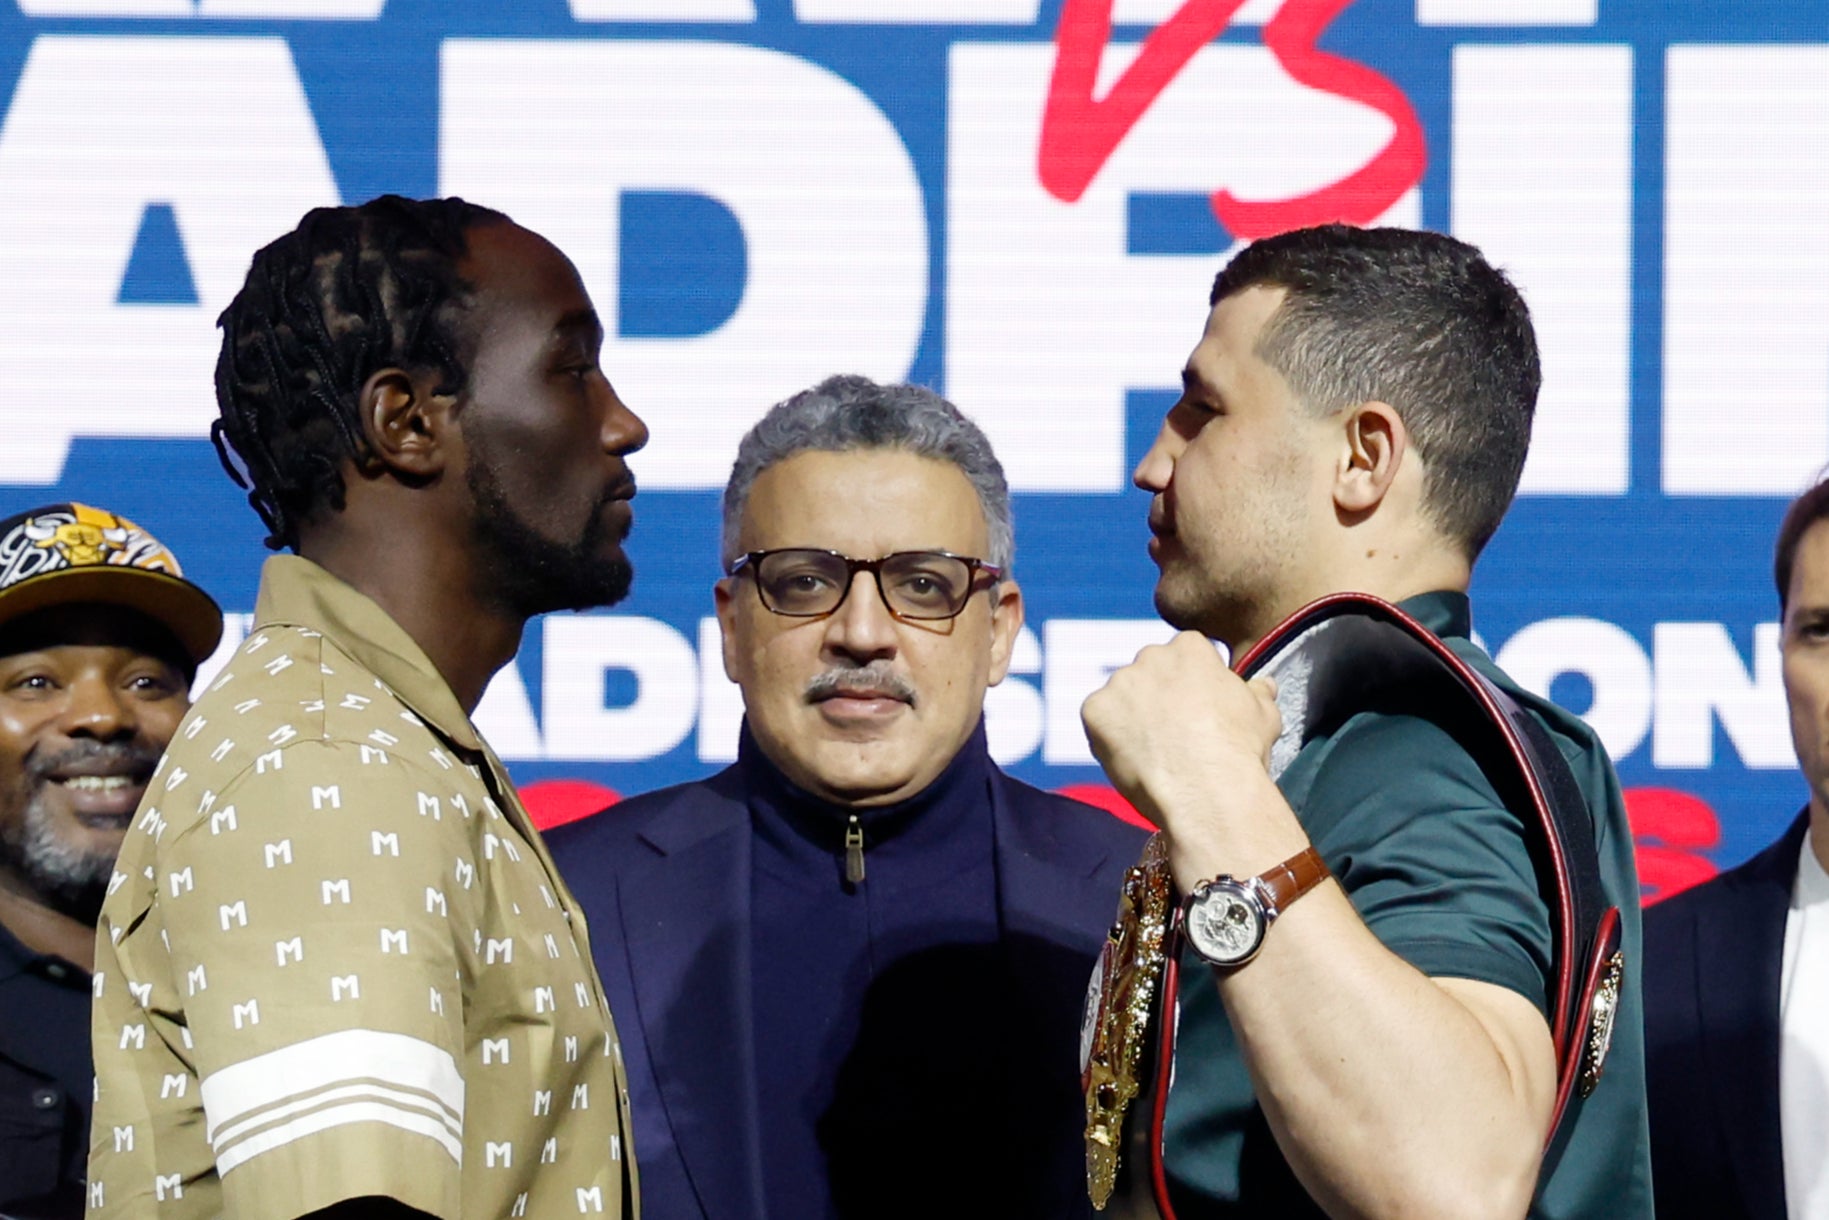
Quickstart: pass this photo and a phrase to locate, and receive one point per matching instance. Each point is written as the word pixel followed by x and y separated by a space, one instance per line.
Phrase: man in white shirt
pixel 1737 969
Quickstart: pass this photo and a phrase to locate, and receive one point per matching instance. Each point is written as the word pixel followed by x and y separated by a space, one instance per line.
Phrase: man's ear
pixel 1374 446
pixel 724 598
pixel 407 425
pixel 1006 624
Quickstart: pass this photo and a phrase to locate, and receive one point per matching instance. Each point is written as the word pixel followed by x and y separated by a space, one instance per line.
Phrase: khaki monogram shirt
pixel 335 958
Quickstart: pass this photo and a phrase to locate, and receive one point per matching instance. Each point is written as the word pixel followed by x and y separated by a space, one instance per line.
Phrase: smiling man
pixel 858 956
pixel 99 637
pixel 337 970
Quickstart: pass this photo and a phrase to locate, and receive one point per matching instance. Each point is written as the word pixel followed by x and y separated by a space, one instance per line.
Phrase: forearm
pixel 1390 1093
pixel 1387 1094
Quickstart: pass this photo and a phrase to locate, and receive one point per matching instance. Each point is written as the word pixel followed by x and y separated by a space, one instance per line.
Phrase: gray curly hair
pixel 848 412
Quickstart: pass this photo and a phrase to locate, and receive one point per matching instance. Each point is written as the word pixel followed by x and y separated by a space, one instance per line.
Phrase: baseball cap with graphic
pixel 62 554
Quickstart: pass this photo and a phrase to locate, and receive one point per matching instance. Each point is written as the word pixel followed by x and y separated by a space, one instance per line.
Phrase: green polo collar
pixel 1444 612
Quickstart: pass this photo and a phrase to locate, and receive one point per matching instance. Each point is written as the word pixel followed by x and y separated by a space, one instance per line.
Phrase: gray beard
pixel 67 878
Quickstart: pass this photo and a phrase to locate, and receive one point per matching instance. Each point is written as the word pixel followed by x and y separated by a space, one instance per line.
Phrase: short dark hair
pixel 351 291
pixel 1805 511
pixel 1417 320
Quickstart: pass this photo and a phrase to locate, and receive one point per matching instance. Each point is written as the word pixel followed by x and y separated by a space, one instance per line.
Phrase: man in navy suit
pixel 1737 969
pixel 850 968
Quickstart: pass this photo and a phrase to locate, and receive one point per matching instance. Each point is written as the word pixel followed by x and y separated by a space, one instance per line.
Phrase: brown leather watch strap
pixel 1293 878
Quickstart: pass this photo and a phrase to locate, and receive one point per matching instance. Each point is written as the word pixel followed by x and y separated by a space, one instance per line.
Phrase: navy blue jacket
pixel 1713 962
pixel 664 880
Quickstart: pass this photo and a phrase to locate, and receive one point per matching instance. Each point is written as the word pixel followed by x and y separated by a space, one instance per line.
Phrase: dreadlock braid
pixel 350 291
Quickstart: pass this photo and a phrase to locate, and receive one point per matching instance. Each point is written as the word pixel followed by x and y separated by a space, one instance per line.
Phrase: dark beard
pixel 523 572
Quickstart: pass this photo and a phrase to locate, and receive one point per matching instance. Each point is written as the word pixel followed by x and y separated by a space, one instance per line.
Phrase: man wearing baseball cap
pixel 100 636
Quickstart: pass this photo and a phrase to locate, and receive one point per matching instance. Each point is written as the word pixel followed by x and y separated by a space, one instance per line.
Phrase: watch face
pixel 1225 926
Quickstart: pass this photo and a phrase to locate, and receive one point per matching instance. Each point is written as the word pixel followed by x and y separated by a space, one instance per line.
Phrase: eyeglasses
pixel 924 586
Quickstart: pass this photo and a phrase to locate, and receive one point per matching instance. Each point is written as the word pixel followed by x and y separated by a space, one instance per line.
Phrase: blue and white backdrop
pixel 1020 202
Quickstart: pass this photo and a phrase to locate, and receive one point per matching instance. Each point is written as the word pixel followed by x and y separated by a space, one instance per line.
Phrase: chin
pixel 860 785
pixel 67 869
pixel 603 585
pixel 1212 614
pixel 871 794
pixel 1178 613
pixel 860 781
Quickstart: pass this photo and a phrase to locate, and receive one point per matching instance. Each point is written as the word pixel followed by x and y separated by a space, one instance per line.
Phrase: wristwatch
pixel 1225 919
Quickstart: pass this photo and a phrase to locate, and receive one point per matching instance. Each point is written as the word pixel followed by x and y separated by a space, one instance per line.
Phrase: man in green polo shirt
pixel 1355 418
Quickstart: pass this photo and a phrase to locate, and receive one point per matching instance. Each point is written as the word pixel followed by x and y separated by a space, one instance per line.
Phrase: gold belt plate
pixel 1119 1002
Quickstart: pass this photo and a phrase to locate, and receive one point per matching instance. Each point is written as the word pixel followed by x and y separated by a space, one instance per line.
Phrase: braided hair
pixel 350 291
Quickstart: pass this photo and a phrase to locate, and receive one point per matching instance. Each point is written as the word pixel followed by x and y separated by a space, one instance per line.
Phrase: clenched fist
pixel 1187 742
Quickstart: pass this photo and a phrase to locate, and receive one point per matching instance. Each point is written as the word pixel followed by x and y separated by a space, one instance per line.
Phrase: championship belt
pixel 1334 659
pixel 1119 1004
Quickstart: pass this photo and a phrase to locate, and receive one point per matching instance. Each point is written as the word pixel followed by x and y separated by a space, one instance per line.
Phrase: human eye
pixel 800 582
pixel 575 358
pixel 804 581
pixel 29 684
pixel 1203 405
pixel 1199 399
pixel 161 683
pixel 800 572
pixel 921 582
pixel 1811 627
pixel 1191 415
pixel 924 582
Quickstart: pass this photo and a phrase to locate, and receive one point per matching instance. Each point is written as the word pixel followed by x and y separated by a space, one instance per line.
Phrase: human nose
pixel 1158 465
pixel 862 625
pixel 94 708
pixel 623 430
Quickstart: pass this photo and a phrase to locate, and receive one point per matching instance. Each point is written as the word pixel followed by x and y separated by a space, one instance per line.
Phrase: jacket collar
pixel 942 829
pixel 686 923
pixel 1740 952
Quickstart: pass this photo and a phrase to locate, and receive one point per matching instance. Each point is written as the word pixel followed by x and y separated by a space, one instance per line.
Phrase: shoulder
pixel 1764 880
pixel 1421 749
pixel 1066 824
pixel 1580 745
pixel 362 772
pixel 1391 794
pixel 288 692
pixel 266 779
pixel 704 805
pixel 1399 762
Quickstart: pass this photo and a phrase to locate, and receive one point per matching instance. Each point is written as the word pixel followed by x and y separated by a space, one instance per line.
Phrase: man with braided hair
pixel 336 970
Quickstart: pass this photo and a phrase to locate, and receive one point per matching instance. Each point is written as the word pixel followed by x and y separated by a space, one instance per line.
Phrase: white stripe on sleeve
pixel 355 1075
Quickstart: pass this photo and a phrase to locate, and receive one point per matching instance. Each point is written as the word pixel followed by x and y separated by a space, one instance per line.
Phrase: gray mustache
pixel 868 680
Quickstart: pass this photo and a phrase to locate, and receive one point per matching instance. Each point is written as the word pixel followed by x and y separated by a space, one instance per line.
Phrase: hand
pixel 1187 742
